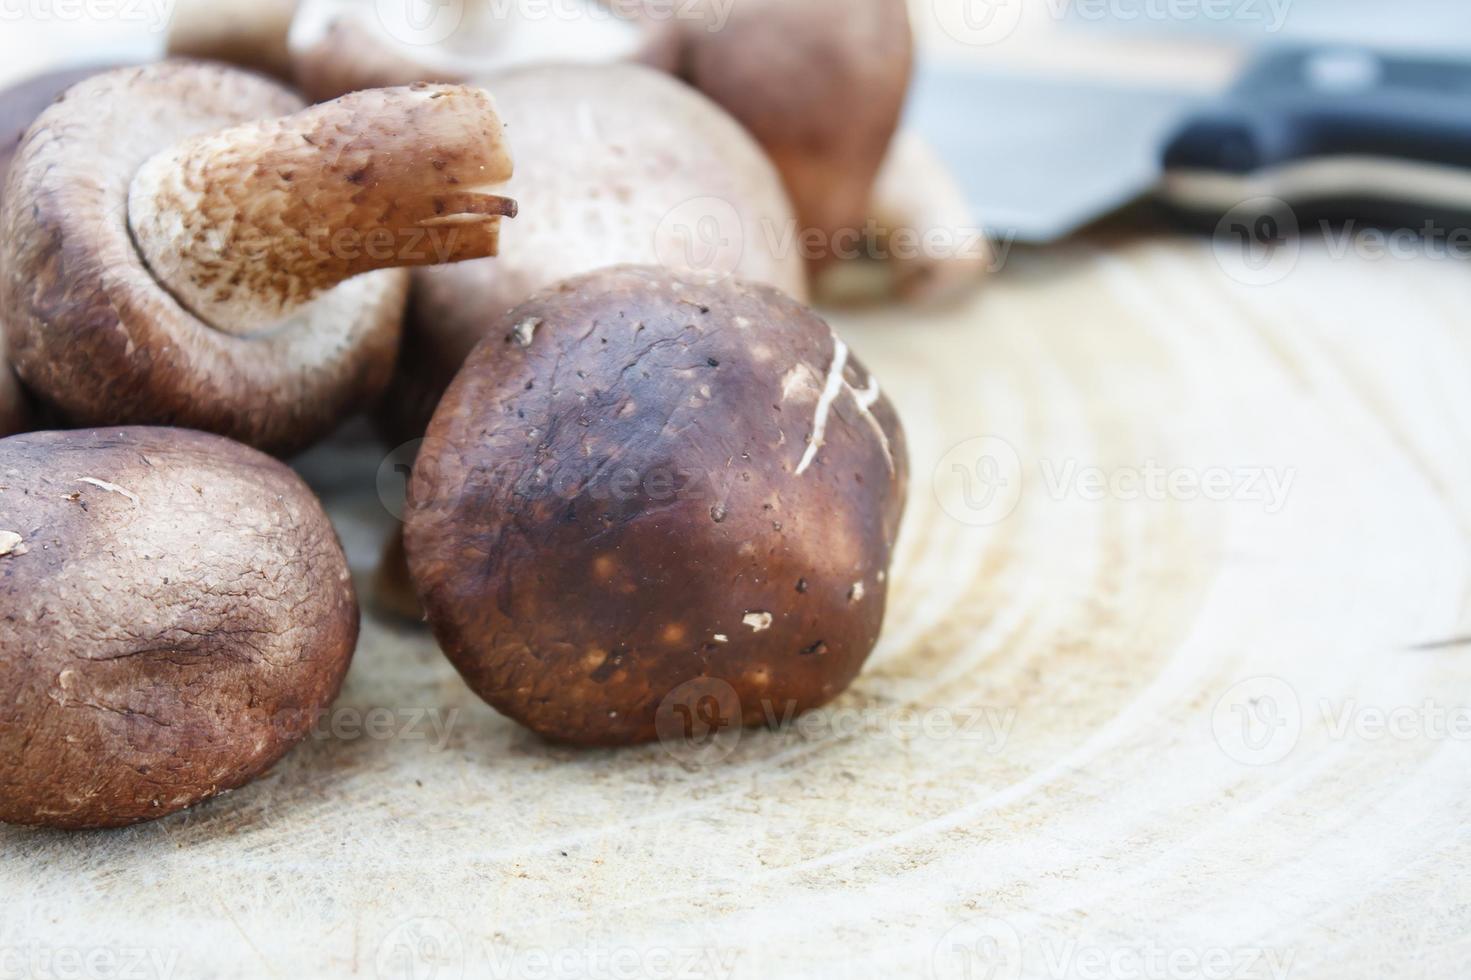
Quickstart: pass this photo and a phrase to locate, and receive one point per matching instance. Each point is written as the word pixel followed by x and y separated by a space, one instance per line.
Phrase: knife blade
pixel 1334 133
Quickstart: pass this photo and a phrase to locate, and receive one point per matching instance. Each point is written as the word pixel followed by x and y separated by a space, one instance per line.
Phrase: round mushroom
pixel 821 85
pixel 184 244
pixel 621 165
pixel 642 479
pixel 178 611
pixel 341 46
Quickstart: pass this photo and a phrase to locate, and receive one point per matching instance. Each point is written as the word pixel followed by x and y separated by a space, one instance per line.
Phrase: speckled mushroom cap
pixel 640 479
pixel 620 165
pixel 177 612
pixel 92 329
pixel 340 46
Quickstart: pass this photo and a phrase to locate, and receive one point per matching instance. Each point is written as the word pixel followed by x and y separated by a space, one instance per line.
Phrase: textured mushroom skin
pixel 606 155
pixel 608 504
pixel 821 85
pixel 92 333
pixel 177 612
pixel 22 103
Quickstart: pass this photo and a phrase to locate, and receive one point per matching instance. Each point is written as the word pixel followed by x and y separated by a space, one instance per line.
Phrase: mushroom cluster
pixel 645 463
pixel 820 85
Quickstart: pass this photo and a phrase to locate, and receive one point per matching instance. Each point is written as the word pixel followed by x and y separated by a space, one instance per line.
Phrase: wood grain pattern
pixel 1108 651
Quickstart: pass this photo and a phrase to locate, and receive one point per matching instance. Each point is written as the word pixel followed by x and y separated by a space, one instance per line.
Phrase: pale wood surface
pixel 1106 637
pixel 1102 635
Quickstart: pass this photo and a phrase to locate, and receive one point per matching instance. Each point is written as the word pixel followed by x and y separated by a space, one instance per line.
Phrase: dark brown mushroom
pixel 178 611
pixel 167 257
pixel 341 46
pixel 645 478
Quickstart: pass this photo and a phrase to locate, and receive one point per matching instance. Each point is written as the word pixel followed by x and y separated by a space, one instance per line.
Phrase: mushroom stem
pixel 248 33
pixel 247 225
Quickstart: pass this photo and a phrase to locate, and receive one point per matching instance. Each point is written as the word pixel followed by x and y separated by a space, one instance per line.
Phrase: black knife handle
pixel 1337 134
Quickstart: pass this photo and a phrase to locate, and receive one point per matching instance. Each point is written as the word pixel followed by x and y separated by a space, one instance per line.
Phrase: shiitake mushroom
pixel 177 611
pixel 185 244
pixel 643 478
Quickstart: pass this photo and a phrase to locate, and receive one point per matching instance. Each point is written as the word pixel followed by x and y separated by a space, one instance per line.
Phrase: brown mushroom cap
pixel 619 164
pixel 177 612
pixel 105 258
pixel 19 106
pixel 821 85
pixel 22 103
pixel 641 479
pixel 341 46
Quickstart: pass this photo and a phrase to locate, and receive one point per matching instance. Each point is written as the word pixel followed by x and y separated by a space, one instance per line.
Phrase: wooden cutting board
pixel 1131 725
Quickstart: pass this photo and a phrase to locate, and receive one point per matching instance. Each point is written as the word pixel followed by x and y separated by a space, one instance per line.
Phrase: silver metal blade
pixel 1039 158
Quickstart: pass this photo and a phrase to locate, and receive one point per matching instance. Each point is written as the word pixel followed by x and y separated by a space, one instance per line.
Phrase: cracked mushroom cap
pixel 643 479
pixel 340 46
pixel 177 612
pixel 174 251
pixel 620 165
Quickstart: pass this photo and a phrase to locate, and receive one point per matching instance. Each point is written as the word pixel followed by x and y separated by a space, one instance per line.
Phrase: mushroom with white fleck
pixel 676 477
